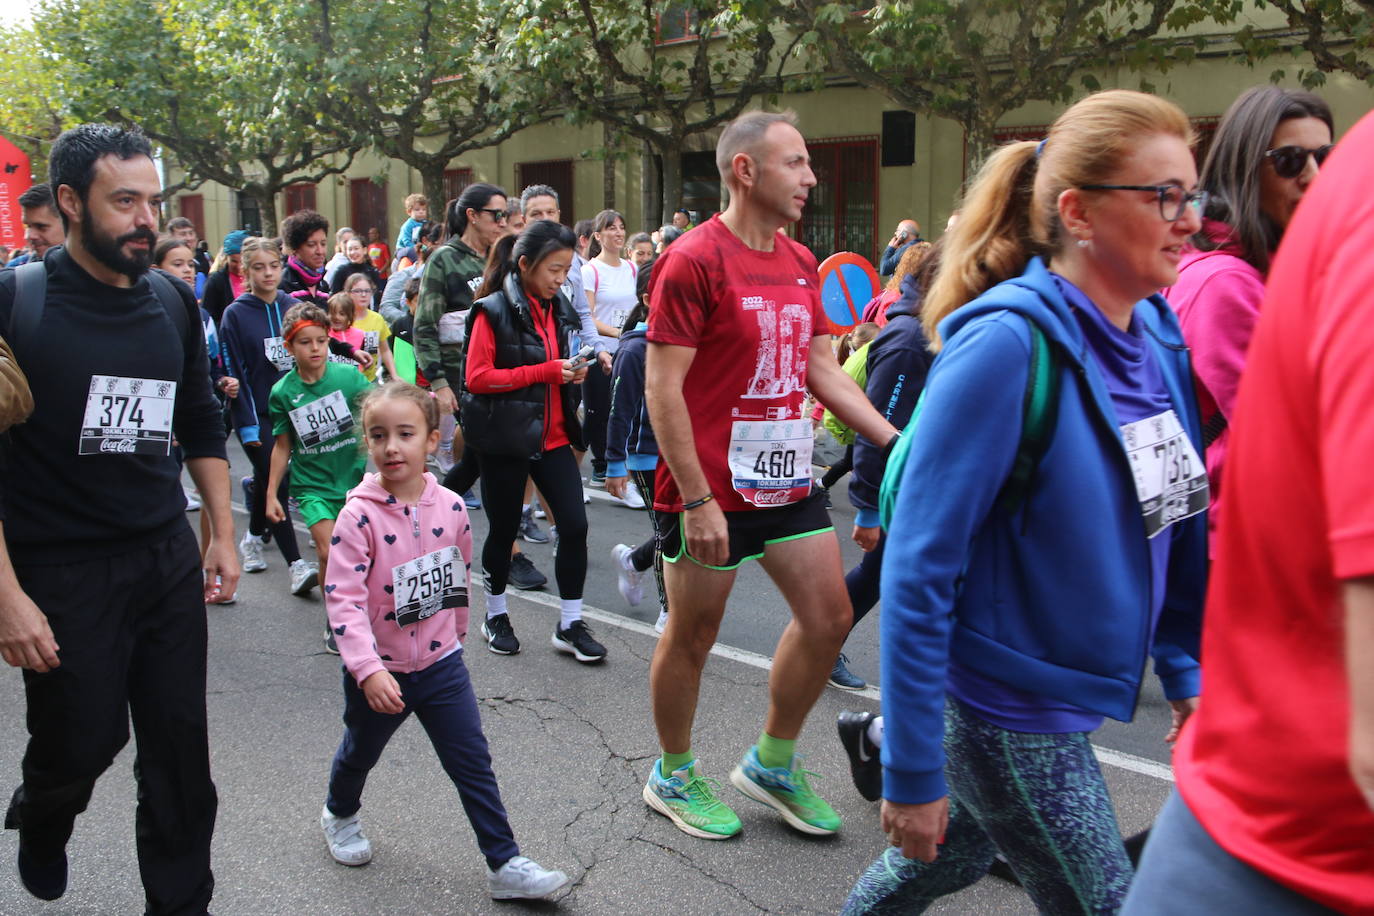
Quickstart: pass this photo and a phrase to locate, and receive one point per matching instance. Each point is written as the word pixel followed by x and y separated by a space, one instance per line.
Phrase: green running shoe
pixel 788 792
pixel 690 802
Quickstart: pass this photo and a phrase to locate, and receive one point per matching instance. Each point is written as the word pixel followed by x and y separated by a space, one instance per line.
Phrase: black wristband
pixel 698 503
pixel 891 444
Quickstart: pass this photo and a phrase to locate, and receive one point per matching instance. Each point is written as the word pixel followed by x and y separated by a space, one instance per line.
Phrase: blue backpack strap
pixel 30 297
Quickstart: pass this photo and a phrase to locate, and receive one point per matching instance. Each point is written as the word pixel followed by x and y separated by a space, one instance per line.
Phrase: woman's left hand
pixel 1181 709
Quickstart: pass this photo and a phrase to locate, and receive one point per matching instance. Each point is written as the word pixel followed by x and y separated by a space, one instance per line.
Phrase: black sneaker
pixel 843 678
pixel 864 764
pixel 330 645
pixel 500 635
pixel 577 641
pixel 530 530
pixel 523 575
pixel 45 880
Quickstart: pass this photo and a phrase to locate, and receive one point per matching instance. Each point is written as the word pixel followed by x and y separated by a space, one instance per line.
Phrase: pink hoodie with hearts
pixel 375 534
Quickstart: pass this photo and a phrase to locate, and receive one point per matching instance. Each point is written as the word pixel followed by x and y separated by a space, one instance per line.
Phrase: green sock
pixel 775 752
pixel 670 762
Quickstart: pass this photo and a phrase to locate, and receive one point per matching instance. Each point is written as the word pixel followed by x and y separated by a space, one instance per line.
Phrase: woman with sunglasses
pixel 1022 600
pixel 1267 150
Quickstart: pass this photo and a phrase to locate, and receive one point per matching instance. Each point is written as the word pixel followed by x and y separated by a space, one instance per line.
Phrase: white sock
pixel 571 611
pixel 525 508
pixel 875 731
pixel 496 605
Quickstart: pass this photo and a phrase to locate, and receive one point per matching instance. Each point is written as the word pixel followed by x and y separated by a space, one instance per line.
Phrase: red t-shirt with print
pixel 750 315
pixel 1263 763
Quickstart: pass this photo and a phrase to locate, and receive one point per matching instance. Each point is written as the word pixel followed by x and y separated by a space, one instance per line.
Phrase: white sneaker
pixel 539 510
pixel 344 836
pixel 631 580
pixel 662 622
pixel 523 879
pixel 632 497
pixel 304 577
pixel 251 549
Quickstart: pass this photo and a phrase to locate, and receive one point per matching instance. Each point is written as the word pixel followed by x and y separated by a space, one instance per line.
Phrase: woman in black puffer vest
pixel 519 416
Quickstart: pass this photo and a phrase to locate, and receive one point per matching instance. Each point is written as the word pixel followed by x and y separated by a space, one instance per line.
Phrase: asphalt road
pixel 571 745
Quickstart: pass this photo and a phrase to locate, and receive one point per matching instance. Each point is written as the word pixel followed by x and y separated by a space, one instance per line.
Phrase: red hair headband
pixel 303 323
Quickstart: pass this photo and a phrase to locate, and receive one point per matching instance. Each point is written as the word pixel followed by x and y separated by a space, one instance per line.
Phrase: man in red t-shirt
pixel 736 335
pixel 1275 811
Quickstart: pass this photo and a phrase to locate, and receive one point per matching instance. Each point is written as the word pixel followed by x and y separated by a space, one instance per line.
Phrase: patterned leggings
pixel 1038 799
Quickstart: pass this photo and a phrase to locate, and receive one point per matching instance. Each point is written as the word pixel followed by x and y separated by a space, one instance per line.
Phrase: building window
pixel 842 211
pixel 300 196
pixel 557 174
pixel 454 182
pixel 368 206
pixel 250 214
pixel 192 206
pixel 700 185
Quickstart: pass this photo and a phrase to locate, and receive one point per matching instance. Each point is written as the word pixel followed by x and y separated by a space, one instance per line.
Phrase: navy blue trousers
pixel 441 697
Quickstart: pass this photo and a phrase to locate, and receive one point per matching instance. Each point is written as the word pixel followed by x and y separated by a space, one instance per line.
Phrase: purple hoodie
pixel 1217 298
pixel 374 538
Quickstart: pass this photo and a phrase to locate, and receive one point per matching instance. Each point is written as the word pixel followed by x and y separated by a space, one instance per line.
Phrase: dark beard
pixel 110 251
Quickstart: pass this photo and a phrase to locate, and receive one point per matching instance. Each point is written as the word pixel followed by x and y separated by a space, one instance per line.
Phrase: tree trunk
pixel 648 188
pixel 608 182
pixel 432 180
pixel 671 154
pixel 267 209
pixel 978 135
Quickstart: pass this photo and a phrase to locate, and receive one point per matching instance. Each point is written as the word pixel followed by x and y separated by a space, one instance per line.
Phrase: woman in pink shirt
pixel 1266 152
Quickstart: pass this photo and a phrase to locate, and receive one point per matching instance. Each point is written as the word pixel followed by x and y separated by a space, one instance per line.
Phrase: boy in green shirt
pixel 316 403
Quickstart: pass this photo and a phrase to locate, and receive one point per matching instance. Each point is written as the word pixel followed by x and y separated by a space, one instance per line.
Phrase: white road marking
pixel 1106 756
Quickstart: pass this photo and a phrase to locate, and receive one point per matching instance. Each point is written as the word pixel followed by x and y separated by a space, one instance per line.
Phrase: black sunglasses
pixel 497 216
pixel 1173 200
pixel 1289 161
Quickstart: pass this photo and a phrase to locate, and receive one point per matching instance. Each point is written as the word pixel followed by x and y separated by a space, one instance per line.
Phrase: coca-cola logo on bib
pixel 118 446
pixel 771 497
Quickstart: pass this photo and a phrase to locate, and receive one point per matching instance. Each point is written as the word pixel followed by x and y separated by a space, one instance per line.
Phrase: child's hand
pixel 384 694
pixel 230 386
pixel 274 509
pixel 362 358
pixel 616 486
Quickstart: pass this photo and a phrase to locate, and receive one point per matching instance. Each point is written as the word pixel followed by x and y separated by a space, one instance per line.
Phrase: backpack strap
pixel 1039 416
pixel 171 301
pixel 30 298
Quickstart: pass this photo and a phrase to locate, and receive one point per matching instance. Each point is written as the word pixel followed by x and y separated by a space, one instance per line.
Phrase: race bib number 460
pixel 429 584
pixel 770 460
pixel 322 420
pixel 128 416
pixel 1170 478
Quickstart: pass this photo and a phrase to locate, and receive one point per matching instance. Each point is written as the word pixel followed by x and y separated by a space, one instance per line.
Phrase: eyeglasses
pixel 1289 161
pixel 360 291
pixel 497 216
pixel 1173 200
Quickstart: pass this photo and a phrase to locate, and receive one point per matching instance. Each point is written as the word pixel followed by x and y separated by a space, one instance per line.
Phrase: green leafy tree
pixel 972 61
pixel 421 82
pixel 32 115
pixel 610 62
pixel 1338 35
pixel 202 79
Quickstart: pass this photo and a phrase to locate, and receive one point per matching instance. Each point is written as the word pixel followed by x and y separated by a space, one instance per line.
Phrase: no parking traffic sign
pixel 848 281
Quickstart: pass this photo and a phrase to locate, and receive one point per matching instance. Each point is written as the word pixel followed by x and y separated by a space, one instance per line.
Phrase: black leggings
pixel 261 458
pixel 839 468
pixel 650 552
pixel 503 496
pixel 596 405
pixel 464 474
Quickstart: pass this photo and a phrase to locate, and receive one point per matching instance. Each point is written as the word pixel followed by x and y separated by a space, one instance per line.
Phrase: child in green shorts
pixel 314 413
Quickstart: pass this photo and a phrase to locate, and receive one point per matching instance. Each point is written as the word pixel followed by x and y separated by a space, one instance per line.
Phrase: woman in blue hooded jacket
pixel 1012 626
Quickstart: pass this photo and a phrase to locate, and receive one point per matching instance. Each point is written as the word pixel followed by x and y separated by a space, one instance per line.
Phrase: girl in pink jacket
pixel 397 597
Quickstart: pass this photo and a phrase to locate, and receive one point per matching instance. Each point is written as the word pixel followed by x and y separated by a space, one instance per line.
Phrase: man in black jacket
pixel 101 588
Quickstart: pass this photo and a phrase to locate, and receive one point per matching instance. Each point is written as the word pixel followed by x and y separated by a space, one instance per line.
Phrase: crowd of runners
pixel 1041 416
